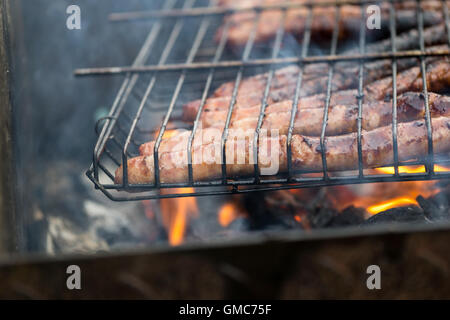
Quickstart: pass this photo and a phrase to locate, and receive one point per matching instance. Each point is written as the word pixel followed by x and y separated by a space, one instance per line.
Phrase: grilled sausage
pixel 438 78
pixel 341 154
pixel 323 22
pixel 282 77
pixel 342 115
pixel 250 101
pixel 309 88
pixel 288 75
pixel 342 119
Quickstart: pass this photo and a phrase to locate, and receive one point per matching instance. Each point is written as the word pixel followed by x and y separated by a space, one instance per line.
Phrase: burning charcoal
pixel 322 217
pixel 407 214
pixel 112 237
pixel 442 199
pixel 262 215
pixel 435 208
pixel 351 216
pixel 285 223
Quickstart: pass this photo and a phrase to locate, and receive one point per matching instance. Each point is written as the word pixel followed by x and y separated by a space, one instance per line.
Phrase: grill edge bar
pixel 259 62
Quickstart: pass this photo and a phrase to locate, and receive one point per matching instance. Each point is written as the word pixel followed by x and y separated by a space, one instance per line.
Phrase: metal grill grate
pixel 163 77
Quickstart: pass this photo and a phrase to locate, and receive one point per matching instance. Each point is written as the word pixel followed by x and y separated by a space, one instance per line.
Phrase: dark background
pixel 55 112
pixel 63 107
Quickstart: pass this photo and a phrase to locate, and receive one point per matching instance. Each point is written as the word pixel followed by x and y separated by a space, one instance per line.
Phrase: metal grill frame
pixel 232 186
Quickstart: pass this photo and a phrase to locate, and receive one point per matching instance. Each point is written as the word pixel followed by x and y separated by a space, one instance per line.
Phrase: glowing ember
pixel 398 202
pixel 176 214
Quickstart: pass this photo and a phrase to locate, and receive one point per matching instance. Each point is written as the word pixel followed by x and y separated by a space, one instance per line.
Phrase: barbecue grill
pixel 162 79
pixel 43 227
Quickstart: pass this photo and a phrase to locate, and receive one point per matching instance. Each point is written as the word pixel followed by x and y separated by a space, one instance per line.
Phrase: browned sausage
pixel 341 153
pixel 323 22
pixel 342 119
pixel 438 78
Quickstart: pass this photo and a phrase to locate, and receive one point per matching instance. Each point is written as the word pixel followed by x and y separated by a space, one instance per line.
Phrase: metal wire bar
pixel 429 160
pixel 245 57
pixel 307 181
pixel 118 144
pixel 317 183
pixel 125 133
pixel 197 42
pixel 217 56
pixel 447 19
pixel 393 32
pixel 99 122
pixel 362 43
pixel 164 56
pixel 260 62
pixel 304 53
pixel 122 130
pixel 334 42
pixel 126 88
pixel 202 11
pixel 106 171
pixel 117 163
pixel 275 52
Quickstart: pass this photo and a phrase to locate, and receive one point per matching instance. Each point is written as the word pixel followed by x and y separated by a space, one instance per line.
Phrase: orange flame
pixel 393 203
pixel 383 196
pixel 176 214
pixel 404 193
pixel 411 169
pixel 228 213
